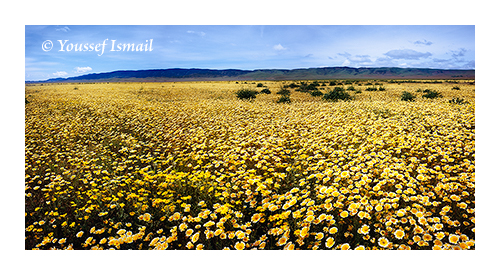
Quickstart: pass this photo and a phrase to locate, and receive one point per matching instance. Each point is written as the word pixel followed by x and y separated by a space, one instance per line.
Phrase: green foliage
pixel 381 88
pixel 284 99
pixel 260 85
pixel 292 86
pixel 457 100
pixel 351 88
pixel 455 88
pixel 246 94
pixel 371 89
pixel 337 94
pixel 431 94
pixel 406 96
pixel 284 91
pixel 307 88
pixel 316 93
pixel 265 91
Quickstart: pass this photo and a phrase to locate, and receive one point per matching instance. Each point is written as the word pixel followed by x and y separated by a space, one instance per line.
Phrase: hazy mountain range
pixel 167 75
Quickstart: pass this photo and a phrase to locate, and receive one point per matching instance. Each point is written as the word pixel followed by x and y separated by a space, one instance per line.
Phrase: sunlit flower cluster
pixel 189 166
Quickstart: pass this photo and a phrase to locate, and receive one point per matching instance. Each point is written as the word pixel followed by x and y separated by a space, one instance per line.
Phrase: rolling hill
pixel 168 75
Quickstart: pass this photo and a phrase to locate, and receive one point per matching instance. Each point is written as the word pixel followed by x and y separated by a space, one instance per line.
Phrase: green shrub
pixel 316 93
pixel 371 89
pixel 265 91
pixel 381 88
pixel 284 99
pixel 455 88
pixel 292 86
pixel 351 88
pixel 406 96
pixel 284 91
pixel 457 100
pixel 431 94
pixel 260 85
pixel 246 94
pixel 337 94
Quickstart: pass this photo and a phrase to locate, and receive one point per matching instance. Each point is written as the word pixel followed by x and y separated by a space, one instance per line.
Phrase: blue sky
pixel 243 47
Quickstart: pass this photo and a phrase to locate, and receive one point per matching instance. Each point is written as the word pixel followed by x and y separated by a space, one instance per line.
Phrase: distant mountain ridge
pixel 167 75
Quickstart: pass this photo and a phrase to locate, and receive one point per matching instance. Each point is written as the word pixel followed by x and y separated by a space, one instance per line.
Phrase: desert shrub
pixel 284 99
pixel 351 88
pixel 292 86
pixel 284 91
pixel 316 93
pixel 406 96
pixel 431 94
pixel 455 88
pixel 337 94
pixel 457 100
pixel 371 89
pixel 381 88
pixel 260 85
pixel 246 94
pixel 265 91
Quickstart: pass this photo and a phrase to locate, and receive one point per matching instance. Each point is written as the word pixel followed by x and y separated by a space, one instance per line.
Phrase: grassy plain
pixel 187 165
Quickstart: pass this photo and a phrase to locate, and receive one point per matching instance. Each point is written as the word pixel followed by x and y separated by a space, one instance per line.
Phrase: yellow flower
pixel 383 242
pixel 399 234
pixel 453 238
pixel 364 229
pixel 189 232
pixel 79 234
pixel 255 217
pixel 289 246
pixel 304 232
pixel 345 246
pixel 344 214
pixel 195 237
pixel 329 242
pixel 282 241
pixel 333 230
pixel 344 174
pixel 239 246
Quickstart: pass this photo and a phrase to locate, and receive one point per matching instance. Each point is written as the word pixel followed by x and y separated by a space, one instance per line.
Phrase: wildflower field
pixel 189 165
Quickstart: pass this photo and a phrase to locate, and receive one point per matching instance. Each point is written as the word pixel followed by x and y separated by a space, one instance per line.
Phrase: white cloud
pixel 198 33
pixel 60 74
pixel 82 69
pixel 63 29
pixel 407 54
pixel 346 62
pixel 423 42
pixel 279 47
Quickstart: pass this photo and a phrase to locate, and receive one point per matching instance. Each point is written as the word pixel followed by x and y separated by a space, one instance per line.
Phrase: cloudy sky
pixel 72 50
